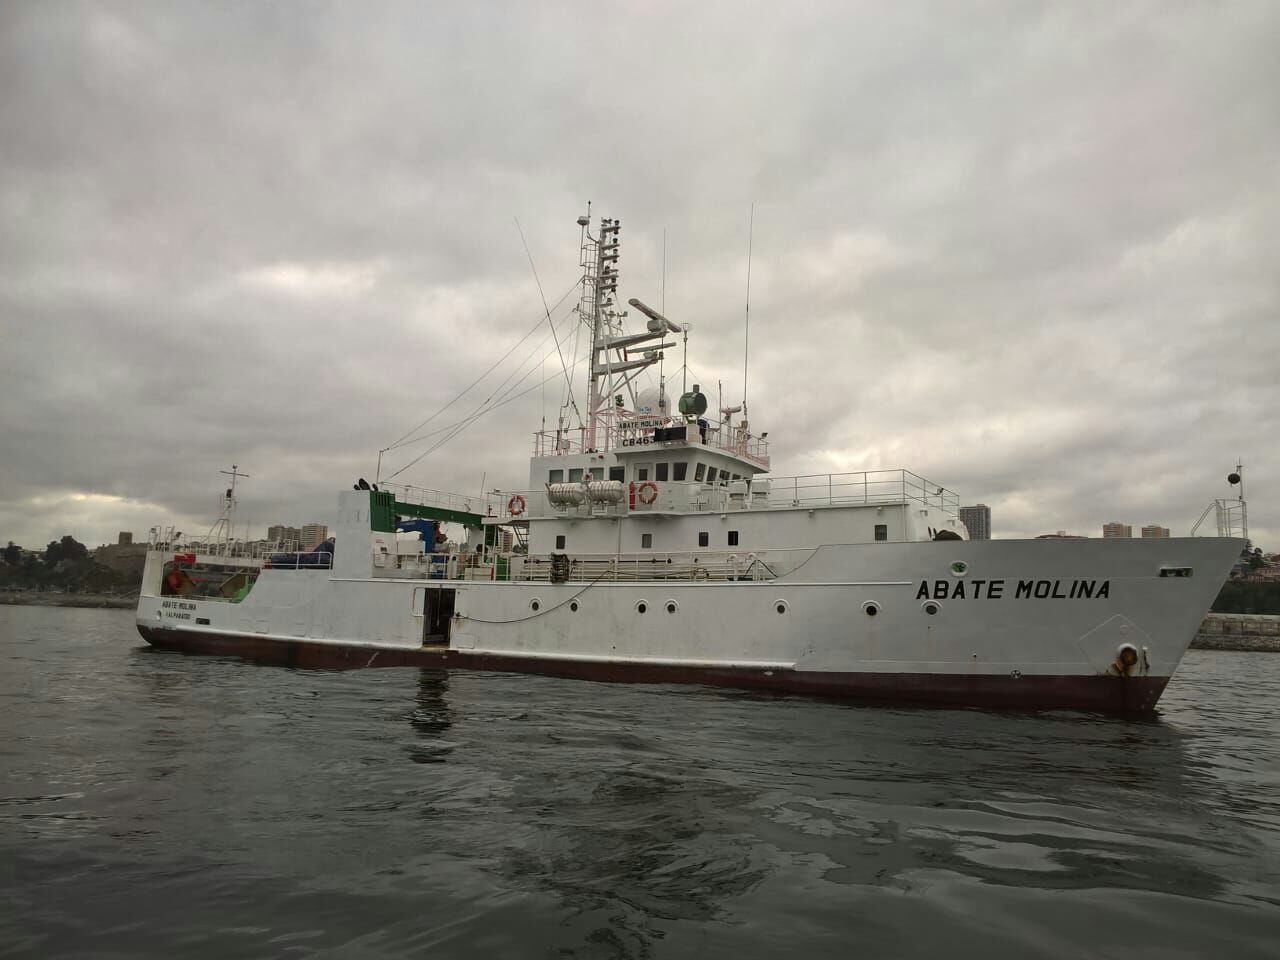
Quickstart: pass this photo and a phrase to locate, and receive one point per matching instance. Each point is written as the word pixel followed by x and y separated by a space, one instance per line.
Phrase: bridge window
pixel 704 539
pixel 699 472
pixel 560 541
pixel 882 531
pixel 711 474
pixel 555 476
pixel 733 538
pixel 575 474
pixel 597 473
pixel 660 472
pixel 618 473
pixel 679 471
pixel 646 540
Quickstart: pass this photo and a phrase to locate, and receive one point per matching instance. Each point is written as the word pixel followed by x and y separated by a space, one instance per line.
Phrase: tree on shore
pixel 67 565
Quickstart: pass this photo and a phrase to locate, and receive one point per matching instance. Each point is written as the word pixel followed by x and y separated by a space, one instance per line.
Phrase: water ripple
pixel 157 805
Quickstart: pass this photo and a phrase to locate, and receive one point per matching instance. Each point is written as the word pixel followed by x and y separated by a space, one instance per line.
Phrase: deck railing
pixel 684 567
pixel 442 499
pixel 615 434
pixel 873 487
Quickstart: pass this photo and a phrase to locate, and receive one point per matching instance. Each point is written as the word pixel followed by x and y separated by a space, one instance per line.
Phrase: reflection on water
pixel 431 718
pixel 157 804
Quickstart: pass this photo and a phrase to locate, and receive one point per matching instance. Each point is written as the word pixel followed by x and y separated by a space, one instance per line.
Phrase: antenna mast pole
pixel 234 474
pixel 746 332
pixel 1244 507
pixel 605 286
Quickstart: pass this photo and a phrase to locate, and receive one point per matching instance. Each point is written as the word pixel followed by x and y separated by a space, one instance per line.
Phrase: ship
pixel 654 543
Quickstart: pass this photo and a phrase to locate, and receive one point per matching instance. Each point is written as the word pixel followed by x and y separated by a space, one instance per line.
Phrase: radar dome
pixel 647 403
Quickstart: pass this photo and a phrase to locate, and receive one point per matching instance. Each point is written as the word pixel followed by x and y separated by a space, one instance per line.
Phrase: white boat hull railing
pixel 1231 517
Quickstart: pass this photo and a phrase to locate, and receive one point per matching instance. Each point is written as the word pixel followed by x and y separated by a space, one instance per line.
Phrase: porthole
pixel 672 606
pixel 535 604
pixel 931 607
pixel 780 606
pixel 642 606
pixel 573 605
pixel 871 608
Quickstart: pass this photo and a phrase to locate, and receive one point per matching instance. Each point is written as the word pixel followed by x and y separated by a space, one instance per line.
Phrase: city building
pixel 977 519
pixel 1117 531
pixel 124 556
pixel 1154 531
pixel 313 534
pixel 281 533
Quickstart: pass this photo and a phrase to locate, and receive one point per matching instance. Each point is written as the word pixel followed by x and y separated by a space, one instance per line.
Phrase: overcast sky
pixel 1029 252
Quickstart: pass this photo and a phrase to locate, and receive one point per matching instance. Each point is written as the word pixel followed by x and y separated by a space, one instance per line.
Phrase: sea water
pixel 156 804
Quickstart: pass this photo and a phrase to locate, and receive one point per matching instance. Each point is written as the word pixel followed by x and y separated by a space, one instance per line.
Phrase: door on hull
pixel 437 615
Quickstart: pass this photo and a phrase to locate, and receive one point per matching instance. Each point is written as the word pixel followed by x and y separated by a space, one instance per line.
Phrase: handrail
pixel 616 433
pixel 427 497
pixel 1230 514
pixel 870 487
pixel 684 566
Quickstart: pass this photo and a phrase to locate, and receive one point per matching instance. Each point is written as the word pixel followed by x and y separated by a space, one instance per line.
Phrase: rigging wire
pixel 501 402
pixel 404 437
pixel 537 352
pixel 568 381
pixel 488 406
pixel 471 386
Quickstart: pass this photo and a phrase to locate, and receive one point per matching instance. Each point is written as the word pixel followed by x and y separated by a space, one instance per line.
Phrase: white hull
pixel 1015 621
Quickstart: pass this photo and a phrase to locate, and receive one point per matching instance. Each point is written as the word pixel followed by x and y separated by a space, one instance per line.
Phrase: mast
pixel 228 519
pixel 605 289
pixel 613 366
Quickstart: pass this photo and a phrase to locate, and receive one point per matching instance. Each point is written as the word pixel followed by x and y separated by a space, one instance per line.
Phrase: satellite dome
pixel 648 403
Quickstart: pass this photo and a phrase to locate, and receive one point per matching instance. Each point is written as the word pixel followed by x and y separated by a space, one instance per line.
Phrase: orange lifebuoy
pixel 516 505
pixel 647 492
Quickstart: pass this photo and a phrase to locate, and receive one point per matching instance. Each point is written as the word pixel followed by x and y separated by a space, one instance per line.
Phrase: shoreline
pixel 36 598
pixel 1252 632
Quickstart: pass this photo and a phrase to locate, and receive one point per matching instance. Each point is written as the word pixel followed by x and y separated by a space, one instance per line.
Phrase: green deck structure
pixel 384 508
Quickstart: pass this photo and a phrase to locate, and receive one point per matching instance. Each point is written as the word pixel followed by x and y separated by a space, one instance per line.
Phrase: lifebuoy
pixel 516 505
pixel 647 492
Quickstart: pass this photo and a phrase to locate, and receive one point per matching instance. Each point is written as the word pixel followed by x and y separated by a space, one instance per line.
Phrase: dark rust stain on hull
pixel 1103 694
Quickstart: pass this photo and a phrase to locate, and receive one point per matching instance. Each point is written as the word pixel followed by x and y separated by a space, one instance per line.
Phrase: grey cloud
pixel 1028 252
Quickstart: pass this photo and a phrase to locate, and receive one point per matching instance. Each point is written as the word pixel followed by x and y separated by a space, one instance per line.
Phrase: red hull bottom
pixel 1103 694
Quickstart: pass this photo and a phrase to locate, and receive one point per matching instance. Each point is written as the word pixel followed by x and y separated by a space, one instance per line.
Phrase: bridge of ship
pixel 625 434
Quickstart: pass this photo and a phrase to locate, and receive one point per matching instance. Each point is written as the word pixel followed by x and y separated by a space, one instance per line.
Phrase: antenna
pixel 664 269
pixel 746 326
pixel 1233 479
pixel 229 510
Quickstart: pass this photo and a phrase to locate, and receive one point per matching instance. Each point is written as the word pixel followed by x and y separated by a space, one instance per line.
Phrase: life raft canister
pixel 516 505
